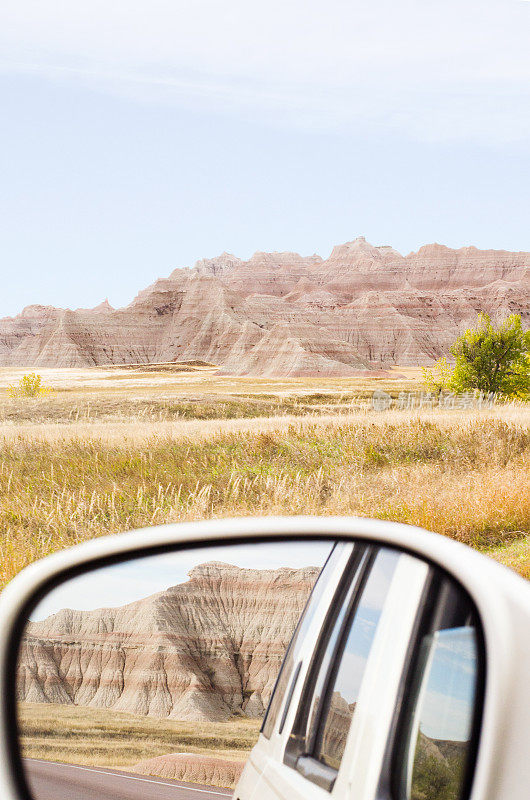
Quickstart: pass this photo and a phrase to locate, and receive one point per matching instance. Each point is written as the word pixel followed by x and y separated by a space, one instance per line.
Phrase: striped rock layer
pixel 202 650
pixel 282 314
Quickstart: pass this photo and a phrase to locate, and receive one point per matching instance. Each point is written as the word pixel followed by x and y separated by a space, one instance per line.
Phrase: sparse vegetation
pixel 438 377
pixel 101 409
pixel 101 457
pixel 29 386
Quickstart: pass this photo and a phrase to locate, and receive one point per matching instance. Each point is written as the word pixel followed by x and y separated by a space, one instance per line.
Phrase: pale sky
pixel 137 137
pixel 132 580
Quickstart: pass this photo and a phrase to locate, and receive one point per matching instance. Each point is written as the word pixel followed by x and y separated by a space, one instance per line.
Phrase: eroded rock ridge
pixel 282 314
pixel 202 650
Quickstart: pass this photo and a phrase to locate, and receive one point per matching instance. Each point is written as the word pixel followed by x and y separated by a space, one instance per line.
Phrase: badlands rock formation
pixel 282 314
pixel 202 650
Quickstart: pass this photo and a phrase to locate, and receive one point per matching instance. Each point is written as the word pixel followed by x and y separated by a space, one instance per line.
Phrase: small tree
pixel 438 377
pixel 493 359
pixel 29 386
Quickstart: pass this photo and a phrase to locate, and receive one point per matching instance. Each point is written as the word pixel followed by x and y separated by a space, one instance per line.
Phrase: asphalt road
pixel 50 780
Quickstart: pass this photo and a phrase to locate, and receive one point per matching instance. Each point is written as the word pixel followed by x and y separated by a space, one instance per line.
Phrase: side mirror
pixel 342 652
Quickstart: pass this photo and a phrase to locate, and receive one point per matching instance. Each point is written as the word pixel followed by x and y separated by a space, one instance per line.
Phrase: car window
pixel 334 630
pixel 442 710
pixel 343 688
pixel 332 686
pixel 290 662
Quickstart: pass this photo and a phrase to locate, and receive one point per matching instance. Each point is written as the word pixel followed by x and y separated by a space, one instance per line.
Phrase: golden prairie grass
pixel 139 422
pixel 116 408
pixel 235 401
pixel 515 555
pixel 464 474
pixel 96 737
pixel 88 462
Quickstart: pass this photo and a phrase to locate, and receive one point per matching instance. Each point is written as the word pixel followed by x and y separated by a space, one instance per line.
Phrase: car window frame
pixel 359 574
pixel 297 756
pixel 335 667
pixel 268 727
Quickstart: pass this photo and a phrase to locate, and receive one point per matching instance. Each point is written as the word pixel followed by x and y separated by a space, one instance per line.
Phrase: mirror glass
pixel 154 676
pixel 161 666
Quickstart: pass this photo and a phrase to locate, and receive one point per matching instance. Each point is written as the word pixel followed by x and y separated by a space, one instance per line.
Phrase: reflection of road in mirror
pixel 53 781
pixel 162 666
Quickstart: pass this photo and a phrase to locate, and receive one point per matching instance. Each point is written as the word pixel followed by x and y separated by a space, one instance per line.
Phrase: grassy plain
pixel 115 449
pixel 95 737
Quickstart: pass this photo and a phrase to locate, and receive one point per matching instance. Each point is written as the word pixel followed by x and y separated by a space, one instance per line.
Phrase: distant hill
pixel 282 314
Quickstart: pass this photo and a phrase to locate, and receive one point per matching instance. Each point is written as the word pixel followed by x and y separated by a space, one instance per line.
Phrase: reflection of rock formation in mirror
pixel 338 721
pixel 438 767
pixel 204 649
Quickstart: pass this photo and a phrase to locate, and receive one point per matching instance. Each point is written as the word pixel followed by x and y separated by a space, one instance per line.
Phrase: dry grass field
pixel 104 454
pixel 95 737
pixel 112 450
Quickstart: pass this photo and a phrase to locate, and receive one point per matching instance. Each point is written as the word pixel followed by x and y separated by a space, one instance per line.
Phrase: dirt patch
pixel 193 768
